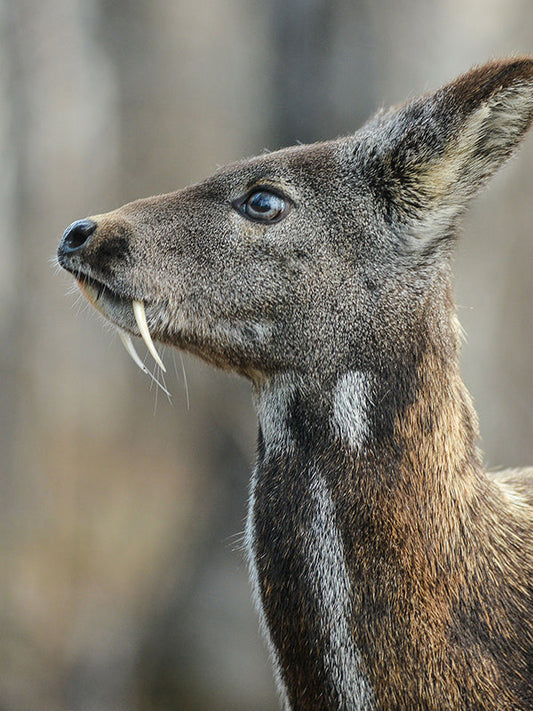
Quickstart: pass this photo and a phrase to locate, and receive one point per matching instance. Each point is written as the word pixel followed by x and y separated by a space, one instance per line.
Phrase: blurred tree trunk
pixel 57 114
pixel 323 83
pixel 8 252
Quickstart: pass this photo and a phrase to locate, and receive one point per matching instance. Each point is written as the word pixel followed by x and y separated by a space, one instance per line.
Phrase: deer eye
pixel 262 206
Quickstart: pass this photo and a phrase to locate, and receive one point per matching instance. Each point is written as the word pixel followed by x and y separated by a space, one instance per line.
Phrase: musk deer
pixel 390 571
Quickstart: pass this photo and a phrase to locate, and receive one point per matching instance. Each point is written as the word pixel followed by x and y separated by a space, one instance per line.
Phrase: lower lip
pixel 91 294
pixel 88 291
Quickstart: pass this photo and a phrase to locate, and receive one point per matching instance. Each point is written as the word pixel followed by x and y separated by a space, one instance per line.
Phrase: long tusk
pixel 128 345
pixel 140 318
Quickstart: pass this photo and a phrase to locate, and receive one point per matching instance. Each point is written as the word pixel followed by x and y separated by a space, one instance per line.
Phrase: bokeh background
pixel 122 581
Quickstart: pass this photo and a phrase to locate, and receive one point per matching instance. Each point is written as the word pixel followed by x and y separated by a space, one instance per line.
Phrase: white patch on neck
pixel 272 401
pixel 249 540
pixel 351 404
pixel 331 585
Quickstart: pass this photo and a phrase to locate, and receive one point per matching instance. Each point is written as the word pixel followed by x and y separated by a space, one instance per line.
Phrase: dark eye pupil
pixel 262 202
pixel 263 205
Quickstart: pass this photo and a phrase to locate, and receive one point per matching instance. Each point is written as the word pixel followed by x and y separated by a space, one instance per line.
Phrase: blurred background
pixel 122 581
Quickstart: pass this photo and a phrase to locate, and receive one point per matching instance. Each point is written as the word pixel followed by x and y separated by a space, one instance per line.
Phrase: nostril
pixel 76 235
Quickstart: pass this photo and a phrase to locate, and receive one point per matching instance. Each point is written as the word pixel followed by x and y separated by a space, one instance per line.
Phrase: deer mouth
pixel 106 301
pixel 99 295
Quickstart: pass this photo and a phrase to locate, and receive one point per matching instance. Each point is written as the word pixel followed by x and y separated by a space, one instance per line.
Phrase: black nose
pixel 76 236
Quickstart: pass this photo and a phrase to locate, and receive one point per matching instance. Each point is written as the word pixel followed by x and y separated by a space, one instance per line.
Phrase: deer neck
pixel 354 500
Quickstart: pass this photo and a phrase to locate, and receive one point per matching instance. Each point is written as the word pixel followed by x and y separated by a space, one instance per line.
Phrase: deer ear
pixel 434 153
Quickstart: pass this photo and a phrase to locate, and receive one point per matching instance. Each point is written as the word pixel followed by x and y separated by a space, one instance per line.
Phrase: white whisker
pixel 185 380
